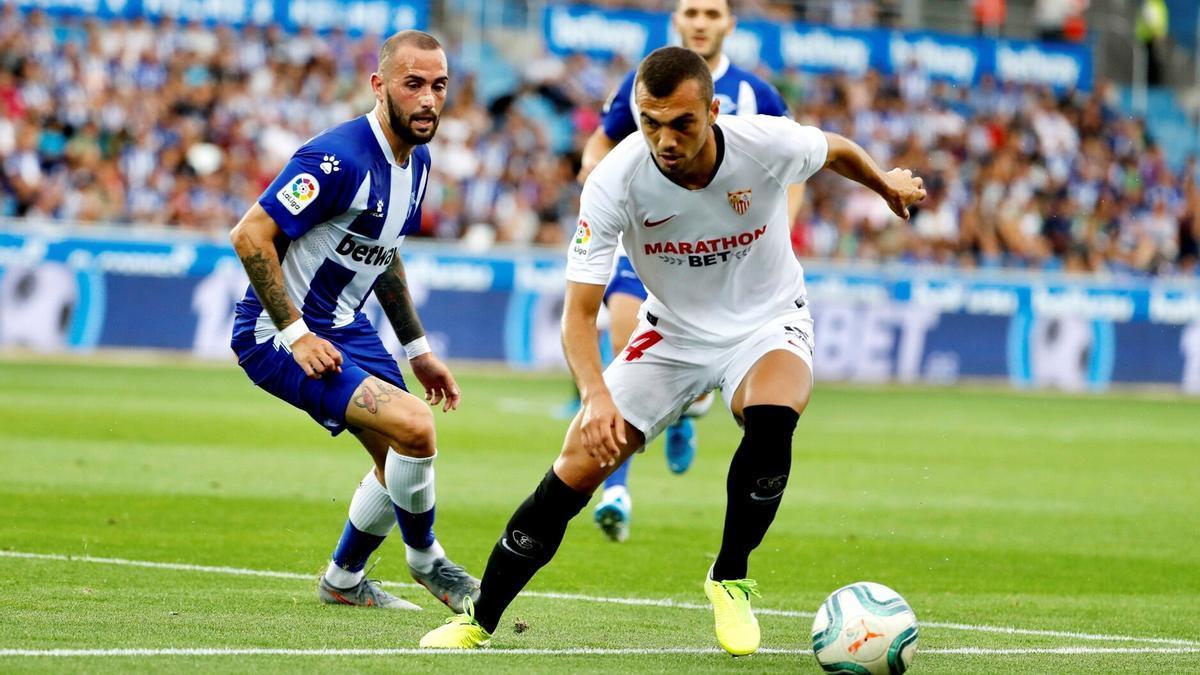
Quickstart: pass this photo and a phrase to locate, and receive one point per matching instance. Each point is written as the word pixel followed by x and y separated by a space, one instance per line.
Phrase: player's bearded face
pixel 411 88
pixel 703 24
pixel 415 127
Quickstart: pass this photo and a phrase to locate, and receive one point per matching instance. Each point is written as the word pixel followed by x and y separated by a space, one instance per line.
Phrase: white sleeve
pixel 590 251
pixel 793 152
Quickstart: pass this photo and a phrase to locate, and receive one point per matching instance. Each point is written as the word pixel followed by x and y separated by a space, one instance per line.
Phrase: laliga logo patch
pixel 740 201
pixel 330 163
pixel 583 237
pixel 299 193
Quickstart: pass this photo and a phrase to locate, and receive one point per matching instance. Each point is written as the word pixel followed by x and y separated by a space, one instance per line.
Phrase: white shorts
pixel 652 380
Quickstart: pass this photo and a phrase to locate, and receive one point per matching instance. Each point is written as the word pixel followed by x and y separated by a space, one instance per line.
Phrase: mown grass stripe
pixel 570 651
pixel 644 602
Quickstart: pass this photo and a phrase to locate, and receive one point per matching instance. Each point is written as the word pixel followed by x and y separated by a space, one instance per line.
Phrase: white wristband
pixel 293 332
pixel 416 348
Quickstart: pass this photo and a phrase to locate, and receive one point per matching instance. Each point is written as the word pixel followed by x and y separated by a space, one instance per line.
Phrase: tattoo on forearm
pixel 392 291
pixel 267 279
pixel 371 397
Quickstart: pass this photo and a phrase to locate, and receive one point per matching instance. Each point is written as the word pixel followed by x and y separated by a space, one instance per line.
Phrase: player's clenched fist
pixel 903 190
pixel 316 355
pixel 603 429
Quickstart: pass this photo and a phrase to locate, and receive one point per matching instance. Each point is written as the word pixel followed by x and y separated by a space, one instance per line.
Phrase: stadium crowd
pixel 184 125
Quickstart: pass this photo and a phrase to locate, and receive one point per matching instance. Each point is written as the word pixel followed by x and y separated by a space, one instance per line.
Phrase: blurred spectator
pixel 1151 31
pixel 174 124
pixel 989 17
pixel 1059 20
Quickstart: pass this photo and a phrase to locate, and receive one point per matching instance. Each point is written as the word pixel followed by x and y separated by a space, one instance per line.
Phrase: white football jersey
pixel 718 261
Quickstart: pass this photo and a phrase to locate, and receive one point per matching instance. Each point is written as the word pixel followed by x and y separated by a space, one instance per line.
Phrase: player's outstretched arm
pixel 602 425
pixel 254 240
pixel 898 187
pixel 598 145
pixel 391 289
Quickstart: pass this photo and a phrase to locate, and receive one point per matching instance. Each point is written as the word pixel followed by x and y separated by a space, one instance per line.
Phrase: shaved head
pixel 415 38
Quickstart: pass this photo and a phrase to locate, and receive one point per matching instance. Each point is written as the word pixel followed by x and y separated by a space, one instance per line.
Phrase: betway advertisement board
pixel 79 290
pixel 963 60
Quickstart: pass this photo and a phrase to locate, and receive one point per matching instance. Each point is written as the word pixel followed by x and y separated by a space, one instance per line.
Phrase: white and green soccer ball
pixel 865 629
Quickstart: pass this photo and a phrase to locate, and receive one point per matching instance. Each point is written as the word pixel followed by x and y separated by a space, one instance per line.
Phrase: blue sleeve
pixel 770 101
pixel 618 111
pixel 315 186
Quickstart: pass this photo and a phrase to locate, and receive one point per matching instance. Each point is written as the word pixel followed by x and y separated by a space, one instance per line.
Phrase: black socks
pixel 529 541
pixel 757 477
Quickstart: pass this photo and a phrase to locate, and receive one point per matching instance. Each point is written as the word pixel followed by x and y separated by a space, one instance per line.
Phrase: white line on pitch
pixel 575 651
pixel 642 602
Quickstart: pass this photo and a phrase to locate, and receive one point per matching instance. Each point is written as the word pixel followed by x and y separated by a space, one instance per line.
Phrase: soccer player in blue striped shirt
pixel 320 239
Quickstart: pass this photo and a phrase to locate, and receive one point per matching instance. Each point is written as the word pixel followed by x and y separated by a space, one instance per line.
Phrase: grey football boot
pixel 448 582
pixel 368 593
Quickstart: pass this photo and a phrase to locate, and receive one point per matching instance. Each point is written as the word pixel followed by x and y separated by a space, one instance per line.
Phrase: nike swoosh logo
pixel 656 223
pixel 504 543
pixel 759 498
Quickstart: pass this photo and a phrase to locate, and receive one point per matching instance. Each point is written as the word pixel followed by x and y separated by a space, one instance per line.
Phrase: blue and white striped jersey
pixel 740 92
pixel 345 206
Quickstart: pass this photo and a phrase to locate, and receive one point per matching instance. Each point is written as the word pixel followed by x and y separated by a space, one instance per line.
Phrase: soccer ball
pixel 865 629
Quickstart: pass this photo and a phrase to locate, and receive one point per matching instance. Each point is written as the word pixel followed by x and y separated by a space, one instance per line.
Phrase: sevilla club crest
pixel 740 201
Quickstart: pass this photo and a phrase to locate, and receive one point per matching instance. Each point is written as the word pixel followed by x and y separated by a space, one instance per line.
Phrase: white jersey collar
pixel 722 67
pixel 380 138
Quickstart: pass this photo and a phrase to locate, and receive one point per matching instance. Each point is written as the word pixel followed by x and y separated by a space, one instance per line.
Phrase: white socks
pixel 370 512
pixel 374 509
pixel 616 492
pixel 371 508
pixel 340 578
pixel 410 481
pixel 422 559
pixel 410 485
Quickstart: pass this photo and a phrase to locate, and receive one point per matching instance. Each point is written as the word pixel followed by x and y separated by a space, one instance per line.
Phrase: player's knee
pixel 413 431
pixel 579 470
pixel 770 426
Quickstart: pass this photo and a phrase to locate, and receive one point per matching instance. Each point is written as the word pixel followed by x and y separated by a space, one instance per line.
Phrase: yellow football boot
pixel 460 631
pixel 737 629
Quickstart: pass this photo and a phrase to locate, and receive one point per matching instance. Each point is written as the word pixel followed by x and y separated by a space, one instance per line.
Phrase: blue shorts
pixel 326 398
pixel 625 280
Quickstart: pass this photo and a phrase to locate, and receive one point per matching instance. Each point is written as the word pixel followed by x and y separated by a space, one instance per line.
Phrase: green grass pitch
pixel 1071 520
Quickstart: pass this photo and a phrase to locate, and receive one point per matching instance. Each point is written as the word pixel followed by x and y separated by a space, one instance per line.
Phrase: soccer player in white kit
pixel 703 26
pixel 701 204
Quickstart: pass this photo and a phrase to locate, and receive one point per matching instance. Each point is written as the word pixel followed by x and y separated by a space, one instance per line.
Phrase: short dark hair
pixel 666 68
pixel 417 38
pixel 728 5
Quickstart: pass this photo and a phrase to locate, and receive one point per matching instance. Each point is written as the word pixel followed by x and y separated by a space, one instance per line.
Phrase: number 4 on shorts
pixel 640 343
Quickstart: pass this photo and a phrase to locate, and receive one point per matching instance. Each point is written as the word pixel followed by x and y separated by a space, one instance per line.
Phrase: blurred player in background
pixel 318 241
pixel 727 307
pixel 703 26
